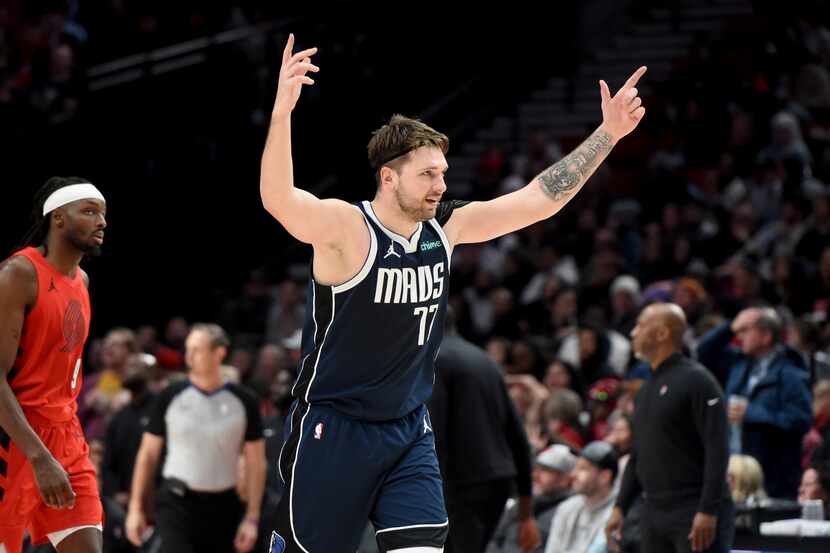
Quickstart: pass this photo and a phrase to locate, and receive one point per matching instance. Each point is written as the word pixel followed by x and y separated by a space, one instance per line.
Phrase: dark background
pixel 177 154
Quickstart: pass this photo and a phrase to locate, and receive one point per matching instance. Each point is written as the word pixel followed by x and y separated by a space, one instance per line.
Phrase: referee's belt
pixel 180 488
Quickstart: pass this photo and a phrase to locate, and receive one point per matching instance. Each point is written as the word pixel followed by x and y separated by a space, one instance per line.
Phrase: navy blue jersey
pixel 369 344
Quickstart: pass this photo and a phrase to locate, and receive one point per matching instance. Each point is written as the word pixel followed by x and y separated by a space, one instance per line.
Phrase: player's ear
pixel 387 175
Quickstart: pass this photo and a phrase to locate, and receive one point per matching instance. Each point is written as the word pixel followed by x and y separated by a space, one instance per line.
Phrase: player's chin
pixel 93 250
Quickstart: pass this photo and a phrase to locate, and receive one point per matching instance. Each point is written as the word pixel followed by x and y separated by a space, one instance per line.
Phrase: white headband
pixel 71 193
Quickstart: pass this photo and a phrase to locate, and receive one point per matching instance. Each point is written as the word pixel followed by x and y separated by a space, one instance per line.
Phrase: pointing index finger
pixel 632 80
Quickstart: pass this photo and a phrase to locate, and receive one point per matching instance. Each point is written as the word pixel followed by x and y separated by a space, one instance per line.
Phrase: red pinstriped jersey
pixel 46 376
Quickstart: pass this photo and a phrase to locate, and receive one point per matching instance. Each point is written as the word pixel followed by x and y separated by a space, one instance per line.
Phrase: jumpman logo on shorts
pixel 427 427
pixel 391 251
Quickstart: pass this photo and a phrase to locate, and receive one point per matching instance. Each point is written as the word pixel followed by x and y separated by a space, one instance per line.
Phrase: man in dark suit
pixel 482 446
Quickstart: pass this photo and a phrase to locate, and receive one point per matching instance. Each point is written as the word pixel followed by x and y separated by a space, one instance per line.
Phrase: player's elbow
pixel 275 203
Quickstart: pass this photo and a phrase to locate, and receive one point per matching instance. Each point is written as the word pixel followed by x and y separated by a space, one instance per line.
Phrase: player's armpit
pixel 328 222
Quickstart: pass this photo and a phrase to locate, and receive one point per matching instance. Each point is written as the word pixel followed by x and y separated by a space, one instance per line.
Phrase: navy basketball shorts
pixel 340 472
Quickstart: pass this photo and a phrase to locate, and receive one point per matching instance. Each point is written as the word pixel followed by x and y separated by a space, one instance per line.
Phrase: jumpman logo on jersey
pixel 427 427
pixel 391 251
pixel 51 285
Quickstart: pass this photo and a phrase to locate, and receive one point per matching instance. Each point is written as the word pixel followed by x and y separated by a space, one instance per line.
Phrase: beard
pixel 93 250
pixel 417 210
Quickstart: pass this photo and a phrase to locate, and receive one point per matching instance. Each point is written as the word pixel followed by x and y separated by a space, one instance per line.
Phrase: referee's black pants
pixel 474 512
pixel 197 522
pixel 666 529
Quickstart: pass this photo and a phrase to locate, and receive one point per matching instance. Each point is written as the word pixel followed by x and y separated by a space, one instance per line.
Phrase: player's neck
pixel 393 218
pixel 64 258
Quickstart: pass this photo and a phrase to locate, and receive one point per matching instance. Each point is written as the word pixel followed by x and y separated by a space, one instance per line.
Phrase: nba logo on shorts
pixel 277 543
pixel 318 431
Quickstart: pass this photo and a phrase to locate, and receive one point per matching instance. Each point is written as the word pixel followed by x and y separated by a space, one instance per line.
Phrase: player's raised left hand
pixel 622 112
pixel 293 75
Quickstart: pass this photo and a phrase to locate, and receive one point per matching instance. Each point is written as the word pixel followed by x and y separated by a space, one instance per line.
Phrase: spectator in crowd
pixel 620 435
pixel 123 436
pixel 602 400
pixel 561 375
pixel 815 484
pixel 551 486
pixel 772 421
pixel 559 423
pixel 746 479
pixel 580 520
pixel 817 235
pixel 691 296
pixel 805 337
pixel 625 303
pixel 103 392
pixel 589 348
pixel 286 314
pixel 816 444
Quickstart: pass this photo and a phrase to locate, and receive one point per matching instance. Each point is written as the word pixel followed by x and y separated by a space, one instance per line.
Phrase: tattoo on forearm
pixel 566 176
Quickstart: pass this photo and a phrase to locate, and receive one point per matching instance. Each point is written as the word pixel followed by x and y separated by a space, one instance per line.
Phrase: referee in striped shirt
pixel 205 423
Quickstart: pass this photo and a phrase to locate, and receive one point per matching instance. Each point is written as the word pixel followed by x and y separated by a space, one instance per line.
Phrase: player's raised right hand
pixel 293 75
pixel 53 482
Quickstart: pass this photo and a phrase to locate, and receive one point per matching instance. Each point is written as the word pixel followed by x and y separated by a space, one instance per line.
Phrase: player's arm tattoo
pixel 565 177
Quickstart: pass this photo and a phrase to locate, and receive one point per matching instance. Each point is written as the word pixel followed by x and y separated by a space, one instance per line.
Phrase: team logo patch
pixel 277 543
pixel 663 390
pixel 73 326
pixel 318 431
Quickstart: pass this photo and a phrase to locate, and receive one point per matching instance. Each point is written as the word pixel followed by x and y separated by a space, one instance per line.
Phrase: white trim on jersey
pixel 412 526
pixel 313 337
pixel 445 240
pixel 290 429
pixel 367 265
pixel 410 245
pixel 294 479
pixel 322 344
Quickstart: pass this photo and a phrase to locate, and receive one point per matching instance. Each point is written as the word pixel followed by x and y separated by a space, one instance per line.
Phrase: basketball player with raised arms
pixel 359 443
pixel 47 482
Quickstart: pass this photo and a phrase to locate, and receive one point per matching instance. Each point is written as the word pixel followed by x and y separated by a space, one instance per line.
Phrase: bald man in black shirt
pixel 680 452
